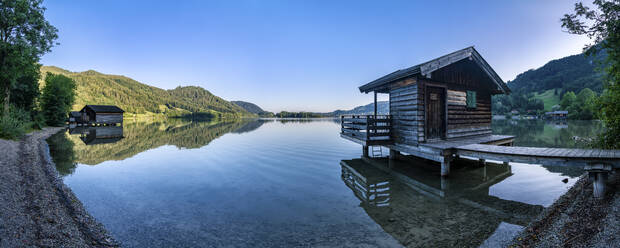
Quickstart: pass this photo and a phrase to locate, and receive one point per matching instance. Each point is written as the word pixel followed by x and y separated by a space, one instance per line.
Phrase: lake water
pixel 265 183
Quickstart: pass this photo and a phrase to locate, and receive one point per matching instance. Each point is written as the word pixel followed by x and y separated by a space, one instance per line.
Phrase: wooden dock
pixel 539 155
pixel 597 162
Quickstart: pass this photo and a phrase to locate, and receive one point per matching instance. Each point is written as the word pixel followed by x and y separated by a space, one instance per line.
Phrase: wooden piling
pixel 445 166
pixel 445 183
pixel 394 154
pixel 598 184
pixel 598 174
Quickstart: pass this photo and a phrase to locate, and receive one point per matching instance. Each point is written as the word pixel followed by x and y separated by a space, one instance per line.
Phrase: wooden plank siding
pixel 463 121
pixel 407 113
pixel 407 110
pixel 112 118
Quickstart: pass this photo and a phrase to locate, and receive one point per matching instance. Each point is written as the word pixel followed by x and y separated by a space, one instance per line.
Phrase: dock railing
pixel 368 128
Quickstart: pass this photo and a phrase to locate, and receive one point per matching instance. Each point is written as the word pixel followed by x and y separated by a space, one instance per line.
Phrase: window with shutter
pixel 471 99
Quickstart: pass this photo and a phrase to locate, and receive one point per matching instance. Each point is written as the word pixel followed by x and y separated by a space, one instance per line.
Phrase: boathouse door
pixel 435 113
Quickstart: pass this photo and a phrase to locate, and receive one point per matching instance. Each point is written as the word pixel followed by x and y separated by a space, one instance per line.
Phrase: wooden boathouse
pixel 433 105
pixel 441 109
pixel 98 115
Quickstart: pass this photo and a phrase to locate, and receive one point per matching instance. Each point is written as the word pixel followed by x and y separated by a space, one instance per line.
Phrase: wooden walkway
pixel 539 155
pixel 598 163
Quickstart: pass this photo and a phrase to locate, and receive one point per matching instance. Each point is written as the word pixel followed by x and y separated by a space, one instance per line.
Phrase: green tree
pixel 57 98
pixel 26 91
pixel 584 106
pixel 587 100
pixel 602 25
pixel 25 35
pixel 567 100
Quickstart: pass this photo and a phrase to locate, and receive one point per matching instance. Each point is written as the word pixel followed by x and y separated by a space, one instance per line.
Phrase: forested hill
pixel 138 98
pixel 540 90
pixel 253 108
pixel 572 73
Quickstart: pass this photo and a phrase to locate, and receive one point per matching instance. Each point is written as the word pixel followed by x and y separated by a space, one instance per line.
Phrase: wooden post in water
pixel 444 183
pixel 365 151
pixel 598 184
pixel 445 165
pixel 394 154
pixel 598 174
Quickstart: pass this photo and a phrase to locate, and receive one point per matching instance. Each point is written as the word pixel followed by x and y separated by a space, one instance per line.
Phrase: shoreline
pixel 36 207
pixel 577 219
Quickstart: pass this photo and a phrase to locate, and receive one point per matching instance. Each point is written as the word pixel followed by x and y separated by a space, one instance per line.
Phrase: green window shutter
pixel 471 99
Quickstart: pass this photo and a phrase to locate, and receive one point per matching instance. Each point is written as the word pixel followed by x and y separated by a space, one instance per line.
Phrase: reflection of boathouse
pixel 98 135
pixel 422 210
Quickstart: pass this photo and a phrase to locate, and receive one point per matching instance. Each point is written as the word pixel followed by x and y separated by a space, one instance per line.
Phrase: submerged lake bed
pixel 266 183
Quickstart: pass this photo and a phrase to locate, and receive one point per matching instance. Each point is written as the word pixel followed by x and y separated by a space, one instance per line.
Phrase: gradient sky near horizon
pixel 299 55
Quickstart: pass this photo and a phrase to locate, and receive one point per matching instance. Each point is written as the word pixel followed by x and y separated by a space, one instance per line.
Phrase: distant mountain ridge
pixel 138 98
pixel 253 108
pixel 383 108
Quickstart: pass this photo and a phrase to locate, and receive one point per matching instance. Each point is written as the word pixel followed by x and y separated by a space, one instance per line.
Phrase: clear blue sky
pixel 298 55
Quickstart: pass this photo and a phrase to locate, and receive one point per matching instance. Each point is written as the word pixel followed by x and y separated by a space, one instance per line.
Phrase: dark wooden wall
pixel 88 115
pixel 109 118
pixel 463 121
pixel 407 112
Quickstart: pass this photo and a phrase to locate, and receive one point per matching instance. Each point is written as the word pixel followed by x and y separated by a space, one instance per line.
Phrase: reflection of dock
pixel 98 135
pixel 420 209
pixel 369 186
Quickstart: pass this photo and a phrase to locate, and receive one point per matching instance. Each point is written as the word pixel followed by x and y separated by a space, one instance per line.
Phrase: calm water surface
pixel 297 183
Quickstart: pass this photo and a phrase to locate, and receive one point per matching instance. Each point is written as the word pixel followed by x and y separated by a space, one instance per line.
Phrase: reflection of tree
pixel 569 171
pixel 538 133
pixel 251 126
pixel 306 120
pixel 61 150
pixel 139 137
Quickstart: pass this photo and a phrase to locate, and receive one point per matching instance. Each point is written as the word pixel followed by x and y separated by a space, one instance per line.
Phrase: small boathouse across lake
pixel 97 115
pixel 441 110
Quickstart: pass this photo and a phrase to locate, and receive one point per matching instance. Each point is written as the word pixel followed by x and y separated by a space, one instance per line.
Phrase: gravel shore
pixel 577 219
pixel 36 208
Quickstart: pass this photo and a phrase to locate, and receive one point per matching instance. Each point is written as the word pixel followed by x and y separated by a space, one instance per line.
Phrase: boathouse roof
pixel 104 108
pixel 425 69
